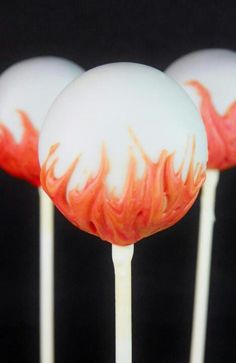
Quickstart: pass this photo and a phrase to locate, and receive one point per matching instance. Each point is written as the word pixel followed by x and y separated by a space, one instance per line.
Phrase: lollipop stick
pixel 122 257
pixel 207 219
pixel 46 279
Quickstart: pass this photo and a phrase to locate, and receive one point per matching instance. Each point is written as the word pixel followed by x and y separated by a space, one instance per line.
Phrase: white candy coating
pixel 214 68
pixel 103 105
pixel 31 86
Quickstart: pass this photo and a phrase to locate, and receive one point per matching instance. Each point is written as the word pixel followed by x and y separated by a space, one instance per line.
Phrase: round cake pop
pixel 123 152
pixel 27 90
pixel 209 77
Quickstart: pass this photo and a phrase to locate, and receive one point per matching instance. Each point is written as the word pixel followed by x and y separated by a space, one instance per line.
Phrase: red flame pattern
pixel 221 130
pixel 20 159
pixel 150 204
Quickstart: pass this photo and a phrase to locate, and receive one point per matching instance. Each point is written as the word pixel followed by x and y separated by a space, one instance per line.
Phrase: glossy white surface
pixel 103 105
pixel 214 68
pixel 31 86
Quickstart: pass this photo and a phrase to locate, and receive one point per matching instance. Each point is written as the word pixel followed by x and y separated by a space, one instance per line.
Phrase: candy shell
pixel 27 90
pixel 123 152
pixel 209 77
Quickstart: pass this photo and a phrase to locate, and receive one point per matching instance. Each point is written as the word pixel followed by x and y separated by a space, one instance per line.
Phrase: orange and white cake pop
pixel 27 90
pixel 209 77
pixel 123 152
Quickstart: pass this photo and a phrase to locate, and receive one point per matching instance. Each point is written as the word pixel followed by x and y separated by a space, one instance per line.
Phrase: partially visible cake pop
pixel 123 154
pixel 209 77
pixel 27 90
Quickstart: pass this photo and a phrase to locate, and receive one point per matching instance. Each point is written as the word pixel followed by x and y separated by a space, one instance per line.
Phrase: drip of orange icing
pixel 150 204
pixel 221 130
pixel 20 159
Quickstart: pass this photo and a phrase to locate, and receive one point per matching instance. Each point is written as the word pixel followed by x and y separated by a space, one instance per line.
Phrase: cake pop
pixel 209 77
pixel 27 90
pixel 123 154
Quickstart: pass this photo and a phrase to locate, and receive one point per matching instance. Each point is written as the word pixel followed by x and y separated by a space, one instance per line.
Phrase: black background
pixel 92 33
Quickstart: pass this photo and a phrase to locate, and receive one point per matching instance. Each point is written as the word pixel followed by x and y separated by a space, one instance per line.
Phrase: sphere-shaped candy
pixel 123 152
pixel 209 77
pixel 27 90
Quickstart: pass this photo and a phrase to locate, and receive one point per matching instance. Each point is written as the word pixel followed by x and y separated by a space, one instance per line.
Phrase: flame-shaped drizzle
pixel 20 159
pixel 150 204
pixel 221 130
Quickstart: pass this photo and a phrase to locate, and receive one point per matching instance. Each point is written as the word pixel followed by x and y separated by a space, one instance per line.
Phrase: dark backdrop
pixel 92 33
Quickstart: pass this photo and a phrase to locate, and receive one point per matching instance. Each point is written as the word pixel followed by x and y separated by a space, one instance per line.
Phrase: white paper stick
pixel 205 238
pixel 122 257
pixel 46 278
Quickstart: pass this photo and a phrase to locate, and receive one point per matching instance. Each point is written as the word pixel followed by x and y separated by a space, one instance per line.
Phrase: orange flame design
pixel 148 205
pixel 20 159
pixel 221 130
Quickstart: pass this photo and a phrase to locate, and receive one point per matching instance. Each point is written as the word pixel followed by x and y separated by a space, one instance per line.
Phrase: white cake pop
pixel 27 90
pixel 209 77
pixel 123 152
